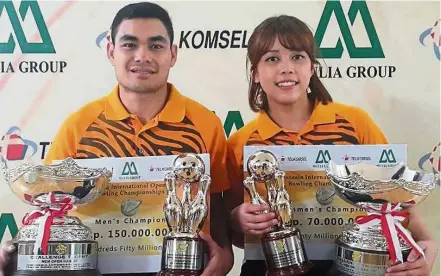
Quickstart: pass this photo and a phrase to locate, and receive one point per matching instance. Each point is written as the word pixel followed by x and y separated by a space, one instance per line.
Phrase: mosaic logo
pixel 358 9
pixel 323 157
pixel 130 169
pixel 44 47
pixel 129 172
pixel 387 156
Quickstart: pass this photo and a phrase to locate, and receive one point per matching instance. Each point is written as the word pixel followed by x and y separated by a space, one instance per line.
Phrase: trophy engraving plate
pixel 183 254
pixel 284 251
pixel 61 256
pixel 352 261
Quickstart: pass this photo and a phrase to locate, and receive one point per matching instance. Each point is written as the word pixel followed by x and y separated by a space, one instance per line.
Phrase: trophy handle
pixel 172 205
pixel 199 207
pixel 250 186
pixel 283 204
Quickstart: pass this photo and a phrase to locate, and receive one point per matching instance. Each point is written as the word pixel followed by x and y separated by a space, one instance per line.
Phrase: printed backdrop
pixel 380 55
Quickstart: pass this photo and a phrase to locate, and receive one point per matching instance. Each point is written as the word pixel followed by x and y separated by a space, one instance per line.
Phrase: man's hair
pixel 142 10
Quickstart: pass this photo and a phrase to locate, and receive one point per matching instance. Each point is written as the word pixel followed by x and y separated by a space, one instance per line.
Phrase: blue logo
pixel 100 38
pixel 434 33
pixel 434 160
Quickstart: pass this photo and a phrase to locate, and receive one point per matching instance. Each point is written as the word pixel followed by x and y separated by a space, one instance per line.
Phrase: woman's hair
pixel 293 34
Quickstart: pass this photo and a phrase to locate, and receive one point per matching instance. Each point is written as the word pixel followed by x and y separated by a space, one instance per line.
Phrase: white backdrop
pixel 405 104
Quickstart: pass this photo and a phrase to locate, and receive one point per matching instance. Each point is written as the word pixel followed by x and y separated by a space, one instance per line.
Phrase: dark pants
pixel 258 268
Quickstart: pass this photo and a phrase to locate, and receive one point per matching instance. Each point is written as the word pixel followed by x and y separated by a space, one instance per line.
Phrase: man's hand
pixel 220 259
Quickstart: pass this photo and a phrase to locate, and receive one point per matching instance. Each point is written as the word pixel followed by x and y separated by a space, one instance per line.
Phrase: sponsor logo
pixel 14 147
pixel 434 33
pixel 129 172
pixel 26 10
pixel 44 47
pixel 293 159
pixel 387 157
pixel 358 9
pixel 322 159
pixel 432 160
pixel 348 158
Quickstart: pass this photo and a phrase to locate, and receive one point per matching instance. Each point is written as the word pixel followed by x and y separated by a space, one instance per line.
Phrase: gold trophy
pixel 182 252
pixel 283 247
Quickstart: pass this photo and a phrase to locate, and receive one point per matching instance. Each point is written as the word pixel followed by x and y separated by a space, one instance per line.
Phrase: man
pixel 145 115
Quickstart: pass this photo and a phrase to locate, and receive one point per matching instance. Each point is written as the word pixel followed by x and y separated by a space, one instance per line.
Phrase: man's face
pixel 141 55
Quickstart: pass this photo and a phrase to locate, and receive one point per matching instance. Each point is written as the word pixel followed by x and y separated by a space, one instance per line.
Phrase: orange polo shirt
pixel 104 128
pixel 331 124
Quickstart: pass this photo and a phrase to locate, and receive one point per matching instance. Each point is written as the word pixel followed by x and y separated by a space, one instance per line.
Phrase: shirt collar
pixel 321 114
pixel 173 111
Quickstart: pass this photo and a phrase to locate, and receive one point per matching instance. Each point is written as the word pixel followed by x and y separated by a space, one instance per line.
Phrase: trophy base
pixel 354 261
pixel 291 270
pixel 285 253
pixel 177 272
pixel 182 256
pixel 92 272
pixel 25 263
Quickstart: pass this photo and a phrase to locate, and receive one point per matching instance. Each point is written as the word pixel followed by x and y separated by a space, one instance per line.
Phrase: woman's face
pixel 284 74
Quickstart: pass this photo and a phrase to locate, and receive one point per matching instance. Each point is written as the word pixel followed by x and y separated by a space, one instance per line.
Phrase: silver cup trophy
pixel 378 239
pixel 50 242
pixel 283 247
pixel 183 249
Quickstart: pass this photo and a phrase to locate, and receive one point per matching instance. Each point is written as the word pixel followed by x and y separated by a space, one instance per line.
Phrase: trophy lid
pixel 33 183
pixel 262 165
pixel 189 167
pixel 363 184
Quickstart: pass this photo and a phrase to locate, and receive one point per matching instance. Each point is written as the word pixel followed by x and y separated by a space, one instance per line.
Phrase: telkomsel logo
pixel 433 159
pixel 14 147
pixel 212 39
pixel 44 47
pixel 18 40
pixel 434 33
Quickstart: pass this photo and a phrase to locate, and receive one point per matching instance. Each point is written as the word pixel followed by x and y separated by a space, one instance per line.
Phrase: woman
pixel 294 108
